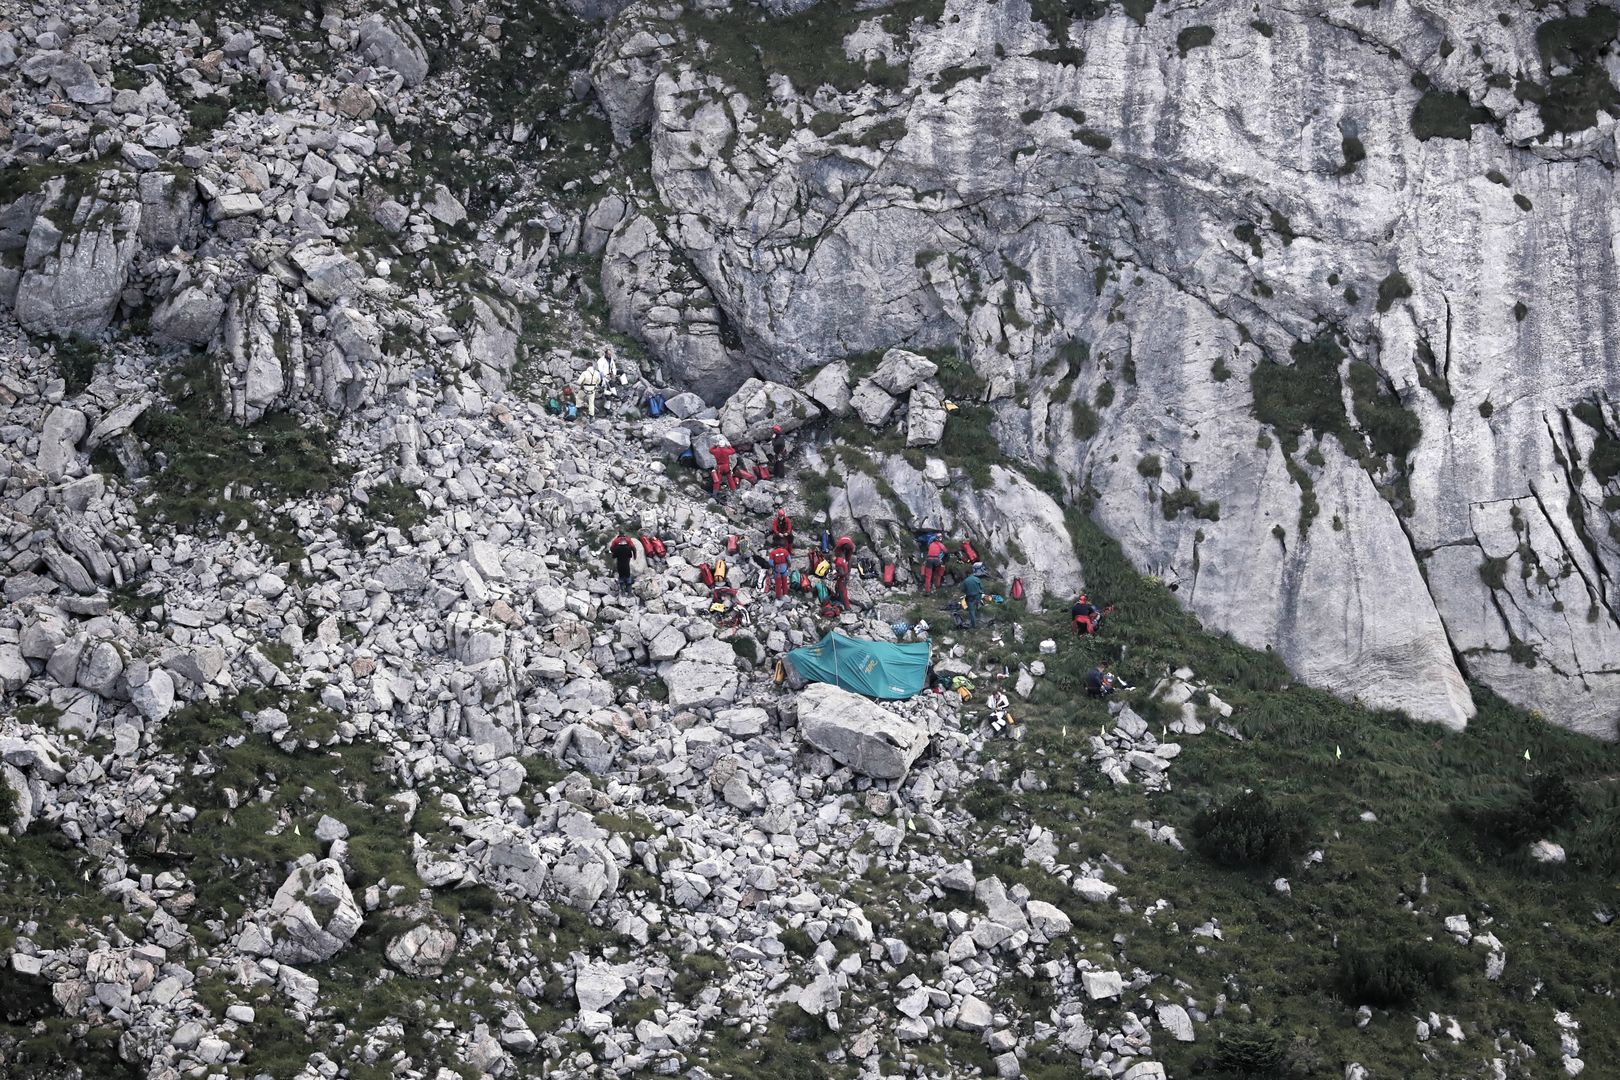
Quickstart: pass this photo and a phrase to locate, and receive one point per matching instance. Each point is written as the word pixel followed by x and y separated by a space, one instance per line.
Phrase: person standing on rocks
pixel 623 550
pixel 973 590
pixel 590 381
pixel 778 453
pixel 841 580
pixel 934 565
pixel 723 452
pixel 781 565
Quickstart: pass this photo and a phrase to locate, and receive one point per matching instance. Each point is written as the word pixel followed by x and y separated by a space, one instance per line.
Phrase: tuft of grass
pixel 1194 37
pixel 217 477
pixel 1394 287
pixel 1442 114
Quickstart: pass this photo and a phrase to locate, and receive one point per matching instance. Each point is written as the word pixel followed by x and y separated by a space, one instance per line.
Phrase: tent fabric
pixel 876 669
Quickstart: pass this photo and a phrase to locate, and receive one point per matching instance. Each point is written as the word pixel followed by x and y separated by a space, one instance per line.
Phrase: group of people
pixel 836 563
pixel 601 378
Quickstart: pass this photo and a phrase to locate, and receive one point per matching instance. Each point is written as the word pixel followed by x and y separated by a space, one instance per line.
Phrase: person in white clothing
pixel 590 381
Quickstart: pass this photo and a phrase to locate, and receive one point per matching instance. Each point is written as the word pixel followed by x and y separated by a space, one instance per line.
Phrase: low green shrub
pixel 1250 1050
pixel 1247 830
pixel 1393 974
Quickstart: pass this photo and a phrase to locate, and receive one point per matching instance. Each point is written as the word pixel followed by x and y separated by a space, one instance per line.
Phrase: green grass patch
pixel 1194 37
pixel 1442 114
pixel 1358 925
pixel 217 476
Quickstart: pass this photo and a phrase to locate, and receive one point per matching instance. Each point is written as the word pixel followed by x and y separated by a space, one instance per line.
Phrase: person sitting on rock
pixel 1099 681
pixel 782 529
pixel 1085 615
pixel 722 598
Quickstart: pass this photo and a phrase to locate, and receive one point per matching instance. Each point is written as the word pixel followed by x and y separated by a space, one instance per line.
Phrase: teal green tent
pixel 877 669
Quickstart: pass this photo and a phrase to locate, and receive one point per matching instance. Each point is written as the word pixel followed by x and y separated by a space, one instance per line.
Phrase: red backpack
pixel 888 573
pixel 969 552
pixel 1018 588
pixel 707 573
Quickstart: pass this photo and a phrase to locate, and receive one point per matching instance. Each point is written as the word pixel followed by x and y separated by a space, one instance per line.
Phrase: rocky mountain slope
pixel 329 748
pixel 1309 301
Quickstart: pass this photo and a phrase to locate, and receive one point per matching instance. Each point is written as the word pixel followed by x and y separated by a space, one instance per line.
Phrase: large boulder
pixel 390 43
pixel 925 418
pixel 749 414
pixel 900 370
pixel 873 404
pixel 311 919
pixel 59 441
pixel 829 388
pixel 585 875
pixel 73 277
pixel 423 950
pixel 191 313
pixel 858 733
pixel 705 674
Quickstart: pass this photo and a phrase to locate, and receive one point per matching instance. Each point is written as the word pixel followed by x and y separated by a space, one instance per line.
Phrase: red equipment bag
pixel 1018 588
pixel 969 552
pixel 731 544
pixel 762 471
pixel 888 573
pixel 707 573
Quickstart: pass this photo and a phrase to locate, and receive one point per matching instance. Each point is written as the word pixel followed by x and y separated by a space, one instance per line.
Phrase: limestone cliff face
pixel 1354 387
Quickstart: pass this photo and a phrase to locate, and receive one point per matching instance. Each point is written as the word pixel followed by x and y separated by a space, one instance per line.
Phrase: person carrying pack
pixel 623 550
pixel 723 476
pixel 841 581
pixel 781 567
pixel 973 590
pixel 934 565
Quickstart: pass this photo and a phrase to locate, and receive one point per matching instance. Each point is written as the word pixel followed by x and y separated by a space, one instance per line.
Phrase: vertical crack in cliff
pixel 1596 590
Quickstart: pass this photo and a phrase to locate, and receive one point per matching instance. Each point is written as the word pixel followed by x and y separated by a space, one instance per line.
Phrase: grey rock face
pixel 311 919
pixel 423 950
pixel 73 278
pixel 59 440
pixel 856 732
pixel 749 414
pixel 191 314
pixel 392 44
pixel 1134 319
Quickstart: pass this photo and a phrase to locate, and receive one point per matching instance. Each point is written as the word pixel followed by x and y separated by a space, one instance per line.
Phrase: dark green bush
pixel 1393 974
pixel 1441 114
pixel 1248 830
pixel 1194 37
pixel 1250 1050
pixel 1392 288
